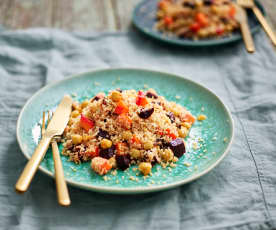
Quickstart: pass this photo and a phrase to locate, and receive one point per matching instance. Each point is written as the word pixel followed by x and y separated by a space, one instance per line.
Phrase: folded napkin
pixel 240 193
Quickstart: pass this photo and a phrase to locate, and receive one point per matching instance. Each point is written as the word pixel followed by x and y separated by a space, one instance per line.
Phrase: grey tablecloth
pixel 239 194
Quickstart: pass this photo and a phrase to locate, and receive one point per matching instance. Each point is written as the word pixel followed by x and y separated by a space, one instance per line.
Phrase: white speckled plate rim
pixel 126 190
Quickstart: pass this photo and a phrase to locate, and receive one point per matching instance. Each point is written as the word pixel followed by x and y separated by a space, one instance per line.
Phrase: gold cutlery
pixel 62 190
pixel 55 128
pixel 241 17
pixel 250 4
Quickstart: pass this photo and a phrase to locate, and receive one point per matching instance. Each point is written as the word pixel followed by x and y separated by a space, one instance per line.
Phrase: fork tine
pixel 43 124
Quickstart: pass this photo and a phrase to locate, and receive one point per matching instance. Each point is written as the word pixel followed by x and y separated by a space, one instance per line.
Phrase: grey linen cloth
pixel 240 193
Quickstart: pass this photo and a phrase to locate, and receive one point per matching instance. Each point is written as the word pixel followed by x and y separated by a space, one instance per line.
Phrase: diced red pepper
pixel 121 108
pixel 202 19
pixel 134 139
pixel 141 99
pixel 93 154
pixel 195 27
pixel 168 20
pixel 86 123
pixel 232 11
pixel 124 120
pixel 167 132
pixel 172 135
pixel 100 165
pixel 121 148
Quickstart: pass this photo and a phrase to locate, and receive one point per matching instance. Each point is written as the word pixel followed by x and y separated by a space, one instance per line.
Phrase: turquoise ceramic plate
pixel 144 19
pixel 213 136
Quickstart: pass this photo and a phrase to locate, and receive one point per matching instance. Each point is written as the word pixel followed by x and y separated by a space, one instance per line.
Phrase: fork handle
pixel 265 25
pixel 31 167
pixel 62 190
pixel 247 37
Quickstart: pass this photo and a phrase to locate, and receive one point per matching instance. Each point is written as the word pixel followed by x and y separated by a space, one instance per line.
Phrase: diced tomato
pixel 100 165
pixel 124 120
pixel 121 108
pixel 202 19
pixel 141 99
pixel 93 154
pixel 168 20
pixel 189 118
pixel 135 139
pixel 232 11
pixel 195 27
pixel 219 31
pixel 86 123
pixel 121 148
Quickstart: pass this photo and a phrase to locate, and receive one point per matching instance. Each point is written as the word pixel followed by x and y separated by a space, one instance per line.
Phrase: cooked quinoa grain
pixel 126 128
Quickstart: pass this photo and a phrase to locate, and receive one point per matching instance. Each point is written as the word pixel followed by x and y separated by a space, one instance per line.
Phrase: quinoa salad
pixel 196 19
pixel 127 128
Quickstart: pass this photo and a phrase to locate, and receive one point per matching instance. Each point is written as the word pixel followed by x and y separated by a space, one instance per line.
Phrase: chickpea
pixel 84 103
pixel 76 139
pixel 148 145
pixel 105 143
pixel 145 168
pixel 183 132
pixel 75 113
pixel 201 117
pixel 175 111
pixel 214 9
pixel 135 153
pixel 199 3
pixel 116 96
pixel 93 107
pixel 86 137
pixel 167 155
pixel 127 135
pixel 186 125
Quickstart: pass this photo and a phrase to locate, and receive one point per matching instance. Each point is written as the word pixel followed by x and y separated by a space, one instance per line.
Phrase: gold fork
pixel 62 190
pixel 251 5
pixel 241 17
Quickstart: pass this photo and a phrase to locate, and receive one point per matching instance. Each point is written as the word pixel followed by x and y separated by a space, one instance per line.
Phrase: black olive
pixel 146 113
pixel 107 153
pixel 103 134
pixel 171 116
pixel 189 4
pixel 123 161
pixel 208 2
pixel 178 147
pixel 151 95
